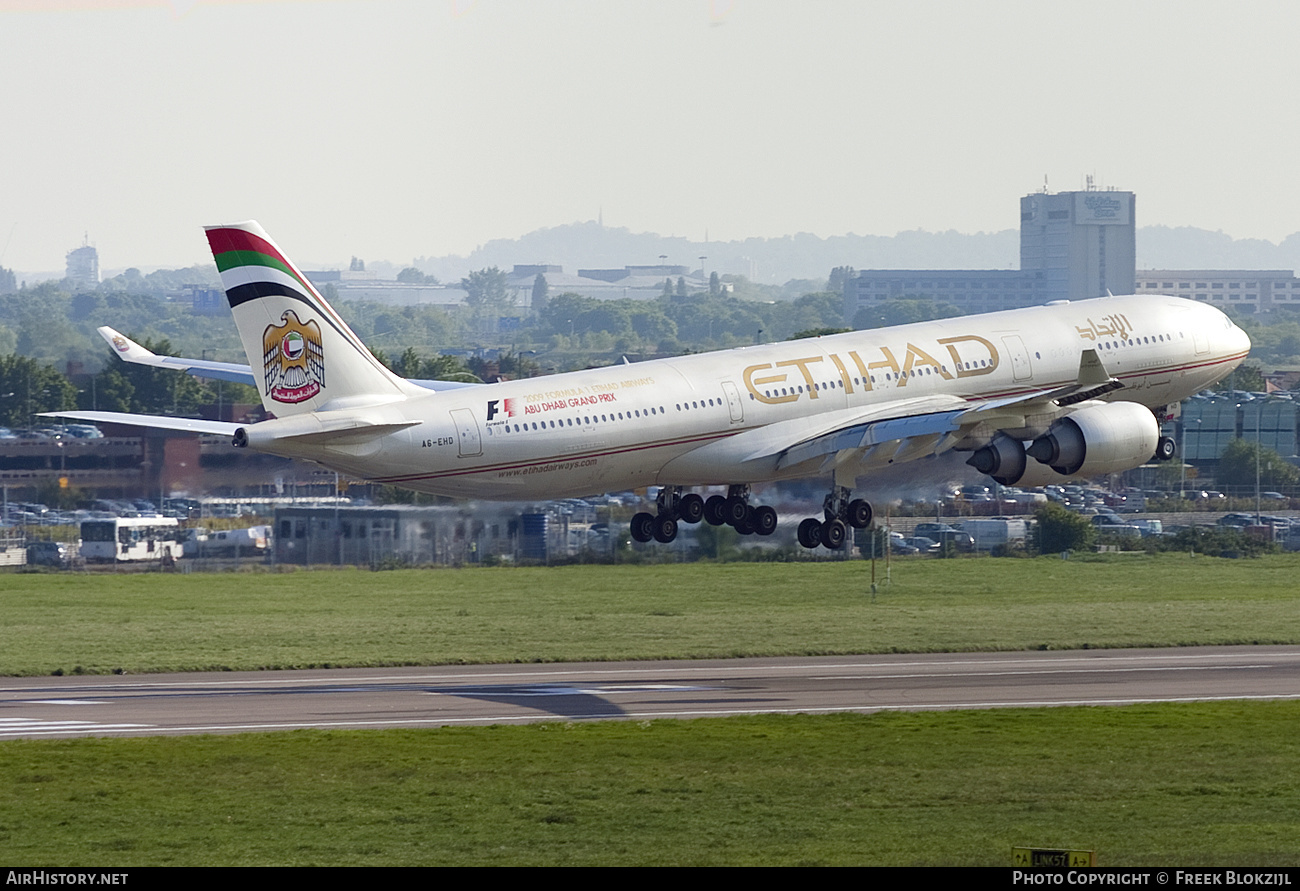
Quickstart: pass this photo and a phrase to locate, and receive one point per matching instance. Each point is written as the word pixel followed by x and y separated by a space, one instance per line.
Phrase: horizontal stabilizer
pixel 161 422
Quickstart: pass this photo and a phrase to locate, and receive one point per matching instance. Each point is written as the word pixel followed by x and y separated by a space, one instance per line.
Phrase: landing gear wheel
pixel 715 510
pixel 764 520
pixel 834 534
pixel 1165 448
pixel 810 533
pixel 859 514
pixel 691 508
pixel 643 527
pixel 665 528
pixel 746 526
pixel 736 511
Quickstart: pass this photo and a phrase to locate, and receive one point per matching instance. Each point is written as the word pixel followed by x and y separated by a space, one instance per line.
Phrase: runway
pixel 243 702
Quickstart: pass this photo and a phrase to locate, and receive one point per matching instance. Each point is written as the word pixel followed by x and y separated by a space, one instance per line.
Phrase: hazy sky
pixel 391 129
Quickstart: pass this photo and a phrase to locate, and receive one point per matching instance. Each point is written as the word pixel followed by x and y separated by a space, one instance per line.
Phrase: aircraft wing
pixel 904 431
pixel 130 351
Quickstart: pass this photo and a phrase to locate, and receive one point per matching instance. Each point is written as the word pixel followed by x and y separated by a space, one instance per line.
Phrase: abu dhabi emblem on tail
pixel 292 358
pixel 283 319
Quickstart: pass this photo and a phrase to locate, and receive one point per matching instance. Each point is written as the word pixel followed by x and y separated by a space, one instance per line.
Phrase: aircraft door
pixel 467 436
pixel 734 405
pixel 1019 357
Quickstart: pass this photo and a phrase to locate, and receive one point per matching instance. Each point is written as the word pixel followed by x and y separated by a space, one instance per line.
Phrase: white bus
pixel 126 539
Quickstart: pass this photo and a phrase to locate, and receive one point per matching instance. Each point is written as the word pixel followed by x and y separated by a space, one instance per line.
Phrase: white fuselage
pixel 680 421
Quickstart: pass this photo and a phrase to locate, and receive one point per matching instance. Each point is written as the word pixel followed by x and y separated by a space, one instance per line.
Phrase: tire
pixel 664 528
pixel 643 527
pixel 810 533
pixel 834 534
pixel 1165 449
pixel 765 520
pixel 715 508
pixel 737 511
pixel 691 508
pixel 859 514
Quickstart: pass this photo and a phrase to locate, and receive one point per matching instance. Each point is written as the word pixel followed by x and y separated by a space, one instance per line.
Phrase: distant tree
pixel 668 287
pixel 445 368
pixel 357 265
pixel 715 284
pixel 513 366
pixel 486 289
pixel 840 276
pixel 817 332
pixel 487 296
pixel 108 391
pixel 681 286
pixel 1239 460
pixel 540 291
pixel 1216 541
pixel 407 364
pixel 28 388
pixel 1247 377
pixel 152 391
pixel 85 306
pixel 8 284
pixel 412 276
pixel 903 312
pixel 1061 530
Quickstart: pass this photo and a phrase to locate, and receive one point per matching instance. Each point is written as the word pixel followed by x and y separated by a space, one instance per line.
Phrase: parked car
pixel 49 553
pixel 945 534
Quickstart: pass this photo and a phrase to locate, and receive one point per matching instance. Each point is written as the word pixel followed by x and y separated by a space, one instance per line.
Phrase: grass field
pixel 154 622
pixel 1199 784
pixel 1210 784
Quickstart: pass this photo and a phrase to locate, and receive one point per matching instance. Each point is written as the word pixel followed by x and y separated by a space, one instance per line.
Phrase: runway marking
pixel 999 674
pixel 43 727
pixel 66 701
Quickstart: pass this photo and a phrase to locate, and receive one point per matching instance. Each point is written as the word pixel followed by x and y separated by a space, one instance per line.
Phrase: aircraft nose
pixel 1239 340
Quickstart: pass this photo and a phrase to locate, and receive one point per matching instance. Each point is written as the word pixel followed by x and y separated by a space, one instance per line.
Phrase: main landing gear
pixel 841 514
pixel 733 509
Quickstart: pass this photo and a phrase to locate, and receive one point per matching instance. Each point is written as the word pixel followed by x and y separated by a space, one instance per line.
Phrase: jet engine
pixel 1101 438
pixel 1003 459
pixel 1104 437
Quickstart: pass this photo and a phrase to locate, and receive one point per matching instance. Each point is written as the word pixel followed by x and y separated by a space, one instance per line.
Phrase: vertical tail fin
pixel 303 355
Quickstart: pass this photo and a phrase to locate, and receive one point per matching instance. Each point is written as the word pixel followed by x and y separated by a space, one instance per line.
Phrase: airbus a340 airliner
pixel 1037 395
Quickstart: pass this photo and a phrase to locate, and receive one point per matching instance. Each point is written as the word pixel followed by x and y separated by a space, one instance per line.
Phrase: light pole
pixel 1259 447
pixel 1182 461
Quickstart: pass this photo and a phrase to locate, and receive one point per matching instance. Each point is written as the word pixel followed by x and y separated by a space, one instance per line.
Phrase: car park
pixel 49 553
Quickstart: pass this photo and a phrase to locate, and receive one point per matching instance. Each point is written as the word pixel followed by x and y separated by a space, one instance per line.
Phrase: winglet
pixel 127 348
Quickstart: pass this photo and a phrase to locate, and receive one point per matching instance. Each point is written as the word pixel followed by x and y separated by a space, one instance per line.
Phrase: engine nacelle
pixel 1105 438
pixel 1003 459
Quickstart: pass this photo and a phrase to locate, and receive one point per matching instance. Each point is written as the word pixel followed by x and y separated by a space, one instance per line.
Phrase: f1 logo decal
pixel 504 407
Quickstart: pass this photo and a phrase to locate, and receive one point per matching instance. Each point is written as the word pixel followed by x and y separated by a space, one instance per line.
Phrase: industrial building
pixel 1243 290
pixel 1073 245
